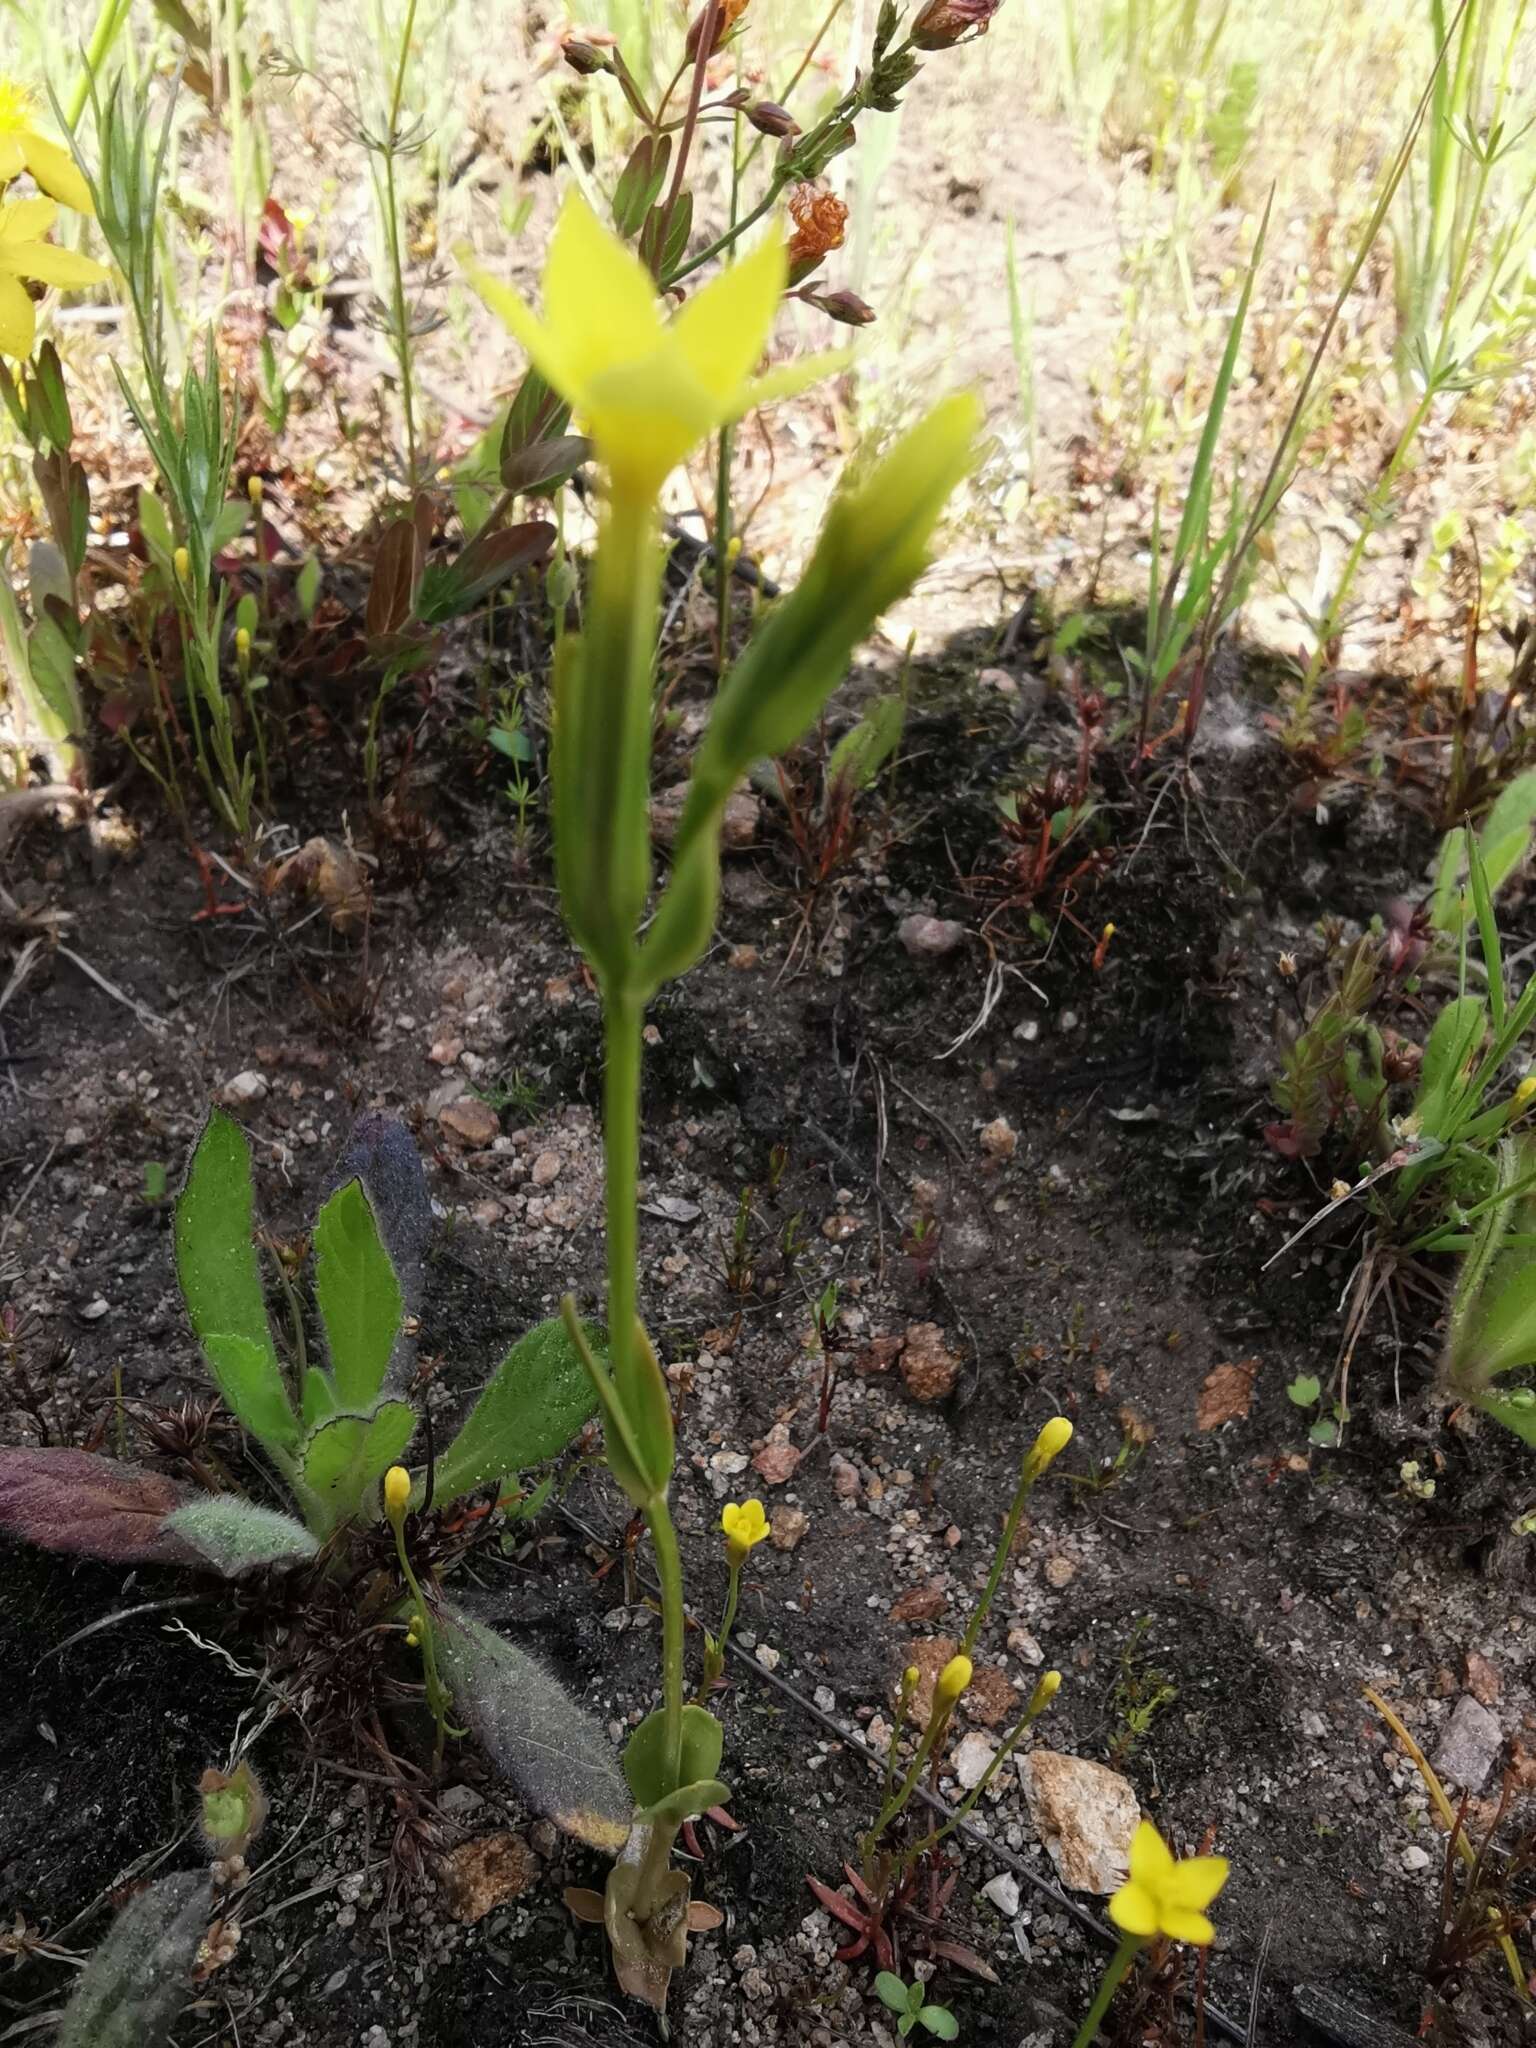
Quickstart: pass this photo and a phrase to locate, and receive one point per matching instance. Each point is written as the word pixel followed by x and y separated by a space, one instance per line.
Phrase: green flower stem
pixel 933 1734
pixel 110 18
pixel 1119 1963
pixel 621 1155
pixel 1015 1736
pixel 438 1695
pixel 1001 1556
pixel 714 1654
pixel 674 1621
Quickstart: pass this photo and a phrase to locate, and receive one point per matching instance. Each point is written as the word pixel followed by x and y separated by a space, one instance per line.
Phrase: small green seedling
pixel 910 2002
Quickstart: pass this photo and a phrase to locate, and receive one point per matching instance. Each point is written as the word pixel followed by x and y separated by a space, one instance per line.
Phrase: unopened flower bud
pixel 1048 1445
pixel 943 23
pixel 910 1679
pixel 769 118
pixel 242 642
pixel 181 561
pixel 397 1491
pixel 1525 1091
pixel 1045 1691
pixel 952 1681
pixel 254 489
pixel 846 307
pixel 1285 966
pixel 585 58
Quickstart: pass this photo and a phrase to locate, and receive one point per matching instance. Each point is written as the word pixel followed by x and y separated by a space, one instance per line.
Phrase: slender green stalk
pixel 1000 1556
pixel 399 312
pixel 110 19
pixel 1119 1963
pixel 669 1574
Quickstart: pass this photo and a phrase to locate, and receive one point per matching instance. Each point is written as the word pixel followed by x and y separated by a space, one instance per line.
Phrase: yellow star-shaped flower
pixel 23 149
pixel 25 255
pixel 1163 1895
pixel 745 1525
pixel 648 390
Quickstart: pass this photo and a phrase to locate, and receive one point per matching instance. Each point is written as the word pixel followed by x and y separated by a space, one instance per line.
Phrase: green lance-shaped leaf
pixel 872 548
pixel 358 1295
pixel 236 1536
pixel 551 1748
pixel 346 1455
pixel 136 1983
pixel 537 1401
pixel 382 1154
pixel 221 1282
pixel 645 1763
pixel 1457 1034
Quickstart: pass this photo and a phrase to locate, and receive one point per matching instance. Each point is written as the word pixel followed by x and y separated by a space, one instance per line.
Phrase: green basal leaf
pixel 236 1536
pixel 251 1383
pixel 135 1984
pixel 358 1295
pixel 350 1453
pixel 317 1397
pixel 538 1400
pixel 221 1282
pixel 686 1803
pixel 535 1734
pixel 645 1765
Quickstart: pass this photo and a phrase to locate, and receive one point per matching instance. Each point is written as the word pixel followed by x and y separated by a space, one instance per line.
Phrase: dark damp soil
pixel 1088 1144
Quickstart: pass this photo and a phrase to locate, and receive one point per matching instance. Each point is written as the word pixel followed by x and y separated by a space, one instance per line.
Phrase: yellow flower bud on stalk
pixel 181 562
pixel 1048 1446
pixel 255 490
pixel 243 642
pixel 952 1681
pixel 397 1492
pixel 1523 1094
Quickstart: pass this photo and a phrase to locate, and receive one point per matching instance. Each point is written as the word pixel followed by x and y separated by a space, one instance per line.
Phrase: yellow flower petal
pixel 1151 1859
pixel 1134 1911
pixel 49 264
pixel 55 170
pixel 1179 1925
pixel 23 220
pixel 723 329
pixel 599 299
pixel 18 321
pixel 645 416
pixel 1195 1881
pixel 13 158
pixel 786 380
pixel 519 318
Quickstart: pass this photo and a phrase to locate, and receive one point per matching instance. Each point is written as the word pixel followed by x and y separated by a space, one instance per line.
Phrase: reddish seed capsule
pixel 769 119
pixel 943 23
pixel 846 307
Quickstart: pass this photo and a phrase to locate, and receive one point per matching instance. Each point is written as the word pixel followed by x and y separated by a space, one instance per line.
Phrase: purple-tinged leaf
pixel 89 1506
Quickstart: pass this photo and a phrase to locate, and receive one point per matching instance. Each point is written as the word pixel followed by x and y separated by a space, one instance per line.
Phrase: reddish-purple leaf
pixel 90 1506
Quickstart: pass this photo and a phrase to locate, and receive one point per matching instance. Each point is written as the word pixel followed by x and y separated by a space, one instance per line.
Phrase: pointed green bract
pixel 358 1293
pixel 221 1281
pixel 539 1398
pixel 645 1763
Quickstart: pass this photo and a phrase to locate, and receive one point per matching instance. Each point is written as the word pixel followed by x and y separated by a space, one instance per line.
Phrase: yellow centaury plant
pixel 1163 1895
pixel 649 389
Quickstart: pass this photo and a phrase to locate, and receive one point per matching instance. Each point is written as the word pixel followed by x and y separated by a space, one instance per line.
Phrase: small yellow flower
pixel 1049 1445
pixel 23 149
pixel 26 257
pixel 1165 1896
pixel 745 1526
pixel 952 1681
pixel 648 390
pixel 397 1491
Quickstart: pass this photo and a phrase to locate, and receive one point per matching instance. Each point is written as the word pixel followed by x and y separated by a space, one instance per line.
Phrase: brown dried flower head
pixel 821 220
pixel 727 14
